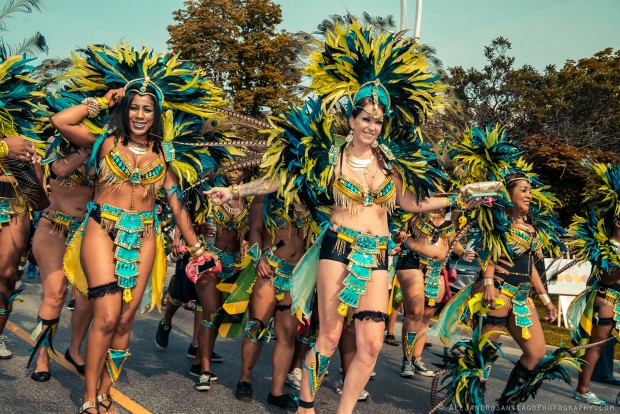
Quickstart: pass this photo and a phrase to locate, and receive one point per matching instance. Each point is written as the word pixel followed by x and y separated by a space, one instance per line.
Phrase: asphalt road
pixel 157 381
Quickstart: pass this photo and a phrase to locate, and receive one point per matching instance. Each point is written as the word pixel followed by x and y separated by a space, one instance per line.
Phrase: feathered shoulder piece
pixel 413 159
pixel 591 242
pixel 299 155
pixel 591 236
pixel 359 61
pixel 18 114
pixel 490 155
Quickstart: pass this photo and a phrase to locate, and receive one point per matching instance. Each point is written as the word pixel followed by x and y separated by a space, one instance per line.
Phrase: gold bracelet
pixel 460 252
pixel 197 253
pixel 4 149
pixel 93 106
pixel 488 281
pixel 544 298
pixel 195 247
pixel 234 191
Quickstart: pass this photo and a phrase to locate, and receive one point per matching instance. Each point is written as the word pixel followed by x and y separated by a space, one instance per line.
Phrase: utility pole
pixel 403 14
pixel 418 20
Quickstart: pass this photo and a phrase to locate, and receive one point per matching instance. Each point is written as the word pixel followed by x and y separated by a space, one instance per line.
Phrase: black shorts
pixel 409 261
pixel 328 251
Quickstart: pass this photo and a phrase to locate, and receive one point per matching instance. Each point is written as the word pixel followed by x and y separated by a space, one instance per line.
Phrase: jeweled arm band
pixel 544 298
pixel 488 281
pixel 93 106
pixel 4 149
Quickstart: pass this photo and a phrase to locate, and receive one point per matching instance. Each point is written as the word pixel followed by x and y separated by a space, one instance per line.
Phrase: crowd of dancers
pixel 298 224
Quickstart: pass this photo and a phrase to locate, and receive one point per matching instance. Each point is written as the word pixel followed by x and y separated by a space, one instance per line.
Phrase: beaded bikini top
pixel 424 228
pixel 117 170
pixel 226 220
pixel 520 241
pixel 351 194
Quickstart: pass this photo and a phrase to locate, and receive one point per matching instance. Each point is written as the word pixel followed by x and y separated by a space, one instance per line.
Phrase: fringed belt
pixel 517 298
pixel 230 260
pixel 62 224
pixel 283 272
pixel 611 296
pixel 367 251
pixel 432 277
pixel 127 229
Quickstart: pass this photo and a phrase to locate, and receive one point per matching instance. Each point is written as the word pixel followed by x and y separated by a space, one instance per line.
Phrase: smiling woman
pixel 119 244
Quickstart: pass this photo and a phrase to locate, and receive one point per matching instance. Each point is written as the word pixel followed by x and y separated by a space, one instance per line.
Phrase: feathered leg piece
pixel 527 382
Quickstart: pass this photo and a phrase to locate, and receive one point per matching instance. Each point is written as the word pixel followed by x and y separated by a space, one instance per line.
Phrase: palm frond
pixel 14 6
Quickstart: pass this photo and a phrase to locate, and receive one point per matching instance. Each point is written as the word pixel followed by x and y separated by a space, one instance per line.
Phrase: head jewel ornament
pixel 141 86
pixel 378 93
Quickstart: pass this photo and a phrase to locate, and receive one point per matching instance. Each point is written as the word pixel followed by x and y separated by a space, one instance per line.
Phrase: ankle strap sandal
pixel 102 399
pixel 87 406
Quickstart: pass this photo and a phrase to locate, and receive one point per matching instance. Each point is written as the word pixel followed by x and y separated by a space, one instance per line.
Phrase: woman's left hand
pixel 114 96
pixel 551 313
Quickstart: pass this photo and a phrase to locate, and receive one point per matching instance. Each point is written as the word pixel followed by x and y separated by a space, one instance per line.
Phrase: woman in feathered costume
pixel 119 245
pixel 17 119
pixel 388 91
pixel 510 237
pixel 595 314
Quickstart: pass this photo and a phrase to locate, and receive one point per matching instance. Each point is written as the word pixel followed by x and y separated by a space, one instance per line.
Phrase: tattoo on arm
pixel 256 187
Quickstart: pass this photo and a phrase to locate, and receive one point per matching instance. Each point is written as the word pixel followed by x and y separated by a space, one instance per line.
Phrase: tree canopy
pixel 236 42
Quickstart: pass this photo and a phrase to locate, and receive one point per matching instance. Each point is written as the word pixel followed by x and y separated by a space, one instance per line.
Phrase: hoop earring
pixel 375 143
pixel 350 136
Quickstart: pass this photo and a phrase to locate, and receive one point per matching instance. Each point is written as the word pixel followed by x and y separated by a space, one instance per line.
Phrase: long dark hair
pixel 511 181
pixel 119 120
pixel 357 110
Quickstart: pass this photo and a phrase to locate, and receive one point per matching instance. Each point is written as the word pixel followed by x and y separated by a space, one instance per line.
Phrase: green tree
pixel 577 105
pixel 237 44
pixel 32 45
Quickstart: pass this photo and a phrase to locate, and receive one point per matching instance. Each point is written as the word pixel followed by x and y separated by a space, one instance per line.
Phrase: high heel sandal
pixel 87 406
pixel 102 398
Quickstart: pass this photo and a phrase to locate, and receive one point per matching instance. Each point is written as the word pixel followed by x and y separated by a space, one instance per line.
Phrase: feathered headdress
pixel 183 86
pixel 359 62
pixel 591 236
pixel 490 155
pixel 187 97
